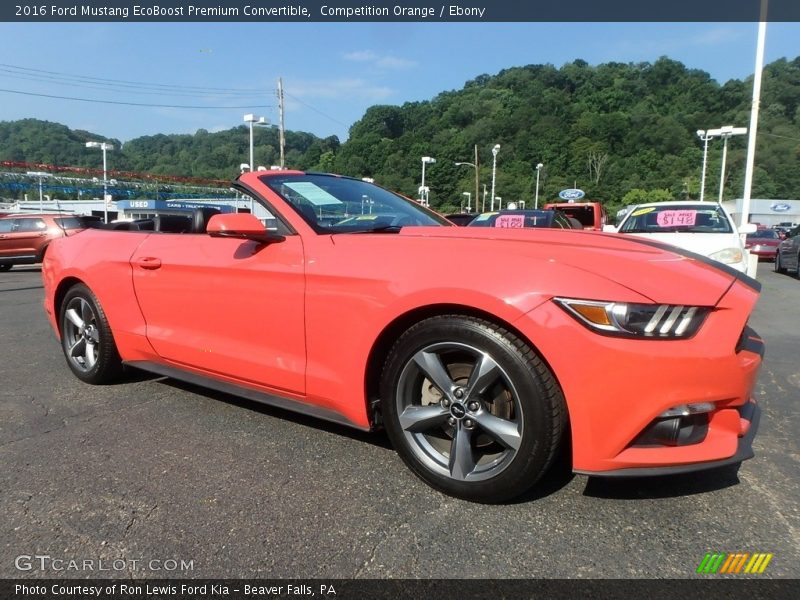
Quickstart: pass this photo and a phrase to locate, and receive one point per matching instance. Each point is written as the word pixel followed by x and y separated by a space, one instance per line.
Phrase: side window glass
pixel 28 225
pixel 6 225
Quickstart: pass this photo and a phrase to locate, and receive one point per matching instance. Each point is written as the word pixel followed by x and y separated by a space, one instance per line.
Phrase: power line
pixel 114 87
pixel 132 103
pixel 137 84
pixel 316 110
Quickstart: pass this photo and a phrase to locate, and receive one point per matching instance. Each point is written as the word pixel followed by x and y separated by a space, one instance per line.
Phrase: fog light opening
pixel 678 430
pixel 685 410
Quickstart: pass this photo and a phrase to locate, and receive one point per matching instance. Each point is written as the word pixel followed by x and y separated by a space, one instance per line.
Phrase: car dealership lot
pixel 153 471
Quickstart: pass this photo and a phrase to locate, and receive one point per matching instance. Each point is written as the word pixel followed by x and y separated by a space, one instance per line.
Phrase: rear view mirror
pixel 243 226
pixel 748 228
pixel 609 229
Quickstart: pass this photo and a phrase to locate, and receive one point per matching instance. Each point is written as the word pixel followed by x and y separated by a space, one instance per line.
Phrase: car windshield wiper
pixel 381 229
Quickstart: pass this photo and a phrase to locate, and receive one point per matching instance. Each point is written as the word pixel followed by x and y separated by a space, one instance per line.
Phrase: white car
pixel 701 227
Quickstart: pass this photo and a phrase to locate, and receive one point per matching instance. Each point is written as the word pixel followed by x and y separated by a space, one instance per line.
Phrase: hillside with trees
pixel 618 131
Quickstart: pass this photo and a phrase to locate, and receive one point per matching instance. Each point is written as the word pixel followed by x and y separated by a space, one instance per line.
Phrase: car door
pixel 789 249
pixel 225 306
pixel 6 225
pixel 27 237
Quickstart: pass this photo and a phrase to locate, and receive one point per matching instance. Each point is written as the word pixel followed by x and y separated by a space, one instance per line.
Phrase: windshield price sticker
pixel 510 221
pixel 671 218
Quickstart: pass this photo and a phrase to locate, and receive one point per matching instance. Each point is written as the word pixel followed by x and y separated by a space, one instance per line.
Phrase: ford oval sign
pixel 780 207
pixel 571 195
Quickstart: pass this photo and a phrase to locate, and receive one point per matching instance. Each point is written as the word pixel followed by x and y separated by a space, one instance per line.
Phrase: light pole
pixel 469 201
pixel 104 147
pixel 253 120
pixel 725 133
pixel 41 175
pixel 474 166
pixel 423 191
pixel 495 150
pixel 536 197
pixel 705 137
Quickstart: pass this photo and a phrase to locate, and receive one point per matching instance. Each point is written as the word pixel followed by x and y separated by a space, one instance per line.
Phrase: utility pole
pixel 281 128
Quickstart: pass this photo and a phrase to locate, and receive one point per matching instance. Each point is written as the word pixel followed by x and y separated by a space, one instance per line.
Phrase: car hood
pixel 657 271
pixel 701 243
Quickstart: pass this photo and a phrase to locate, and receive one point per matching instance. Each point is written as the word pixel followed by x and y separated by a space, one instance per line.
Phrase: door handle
pixel 2 237
pixel 149 262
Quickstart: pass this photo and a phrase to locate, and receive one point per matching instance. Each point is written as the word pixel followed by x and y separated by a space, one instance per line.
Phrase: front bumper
pixel 749 415
pixel 616 388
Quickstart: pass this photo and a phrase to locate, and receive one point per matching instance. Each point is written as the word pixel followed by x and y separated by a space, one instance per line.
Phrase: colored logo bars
pixel 736 562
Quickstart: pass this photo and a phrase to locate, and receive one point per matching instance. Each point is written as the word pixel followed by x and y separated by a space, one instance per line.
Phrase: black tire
pixel 501 420
pixel 778 267
pixel 5 267
pixel 86 338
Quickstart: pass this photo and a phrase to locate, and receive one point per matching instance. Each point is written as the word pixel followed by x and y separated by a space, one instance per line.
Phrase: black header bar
pixel 421 11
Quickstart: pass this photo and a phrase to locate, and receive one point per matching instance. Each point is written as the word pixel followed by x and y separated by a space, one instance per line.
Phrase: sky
pixel 332 72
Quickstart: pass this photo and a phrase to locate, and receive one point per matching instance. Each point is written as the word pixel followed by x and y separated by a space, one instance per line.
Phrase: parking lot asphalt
pixel 152 470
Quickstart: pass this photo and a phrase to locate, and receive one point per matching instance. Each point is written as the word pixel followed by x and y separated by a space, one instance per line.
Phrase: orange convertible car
pixel 477 349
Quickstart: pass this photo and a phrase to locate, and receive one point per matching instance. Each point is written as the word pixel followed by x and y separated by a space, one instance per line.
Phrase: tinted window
pixel 6 225
pixel 764 234
pixel 23 225
pixel 69 223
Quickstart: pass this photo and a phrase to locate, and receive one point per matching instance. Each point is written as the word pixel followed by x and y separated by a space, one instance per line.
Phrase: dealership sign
pixel 780 207
pixel 571 195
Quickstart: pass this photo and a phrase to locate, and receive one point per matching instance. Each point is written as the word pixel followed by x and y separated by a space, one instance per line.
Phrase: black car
pixel 461 219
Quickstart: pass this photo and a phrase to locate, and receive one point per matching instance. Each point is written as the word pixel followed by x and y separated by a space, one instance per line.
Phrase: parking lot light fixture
pixel 105 147
pixel 536 197
pixel 253 120
pixel 495 150
pixel 469 201
pixel 423 191
pixel 41 175
pixel 705 138
pixel 726 133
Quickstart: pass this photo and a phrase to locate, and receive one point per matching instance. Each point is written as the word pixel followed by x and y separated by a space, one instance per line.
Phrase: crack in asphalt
pixel 76 420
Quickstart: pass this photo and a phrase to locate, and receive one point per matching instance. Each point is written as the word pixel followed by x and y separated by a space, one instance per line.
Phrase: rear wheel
pixel 86 338
pixel 471 408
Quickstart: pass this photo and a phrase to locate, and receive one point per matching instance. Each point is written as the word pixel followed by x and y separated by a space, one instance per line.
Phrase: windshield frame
pixel 409 209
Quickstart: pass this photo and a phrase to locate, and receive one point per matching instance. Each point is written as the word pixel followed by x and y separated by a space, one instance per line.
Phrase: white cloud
pixel 379 60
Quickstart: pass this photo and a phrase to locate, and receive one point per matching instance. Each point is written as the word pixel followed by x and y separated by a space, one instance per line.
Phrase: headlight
pixel 663 321
pixel 728 256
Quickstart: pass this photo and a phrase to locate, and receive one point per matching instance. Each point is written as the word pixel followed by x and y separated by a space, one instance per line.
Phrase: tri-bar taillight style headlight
pixel 660 321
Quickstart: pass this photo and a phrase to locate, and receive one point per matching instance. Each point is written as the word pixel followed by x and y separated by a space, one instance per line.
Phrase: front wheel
pixel 778 266
pixel 471 408
pixel 86 338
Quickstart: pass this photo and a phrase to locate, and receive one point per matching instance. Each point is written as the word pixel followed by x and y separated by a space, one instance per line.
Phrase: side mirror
pixel 609 229
pixel 748 228
pixel 242 226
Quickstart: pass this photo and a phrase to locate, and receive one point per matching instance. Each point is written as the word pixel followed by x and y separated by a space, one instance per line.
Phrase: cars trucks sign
pixel 571 195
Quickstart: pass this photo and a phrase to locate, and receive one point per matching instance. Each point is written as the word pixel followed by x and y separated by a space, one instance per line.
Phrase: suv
pixel 591 215
pixel 24 237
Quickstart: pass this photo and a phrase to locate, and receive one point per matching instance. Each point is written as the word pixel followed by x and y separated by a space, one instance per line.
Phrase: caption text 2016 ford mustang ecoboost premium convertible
pixel 481 351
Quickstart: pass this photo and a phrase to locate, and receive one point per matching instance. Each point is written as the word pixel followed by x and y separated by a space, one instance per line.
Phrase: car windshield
pixel 686 218
pixel 514 219
pixel 765 234
pixel 332 204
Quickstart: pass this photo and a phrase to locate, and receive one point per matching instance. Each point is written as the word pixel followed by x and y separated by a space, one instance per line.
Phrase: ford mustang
pixel 483 352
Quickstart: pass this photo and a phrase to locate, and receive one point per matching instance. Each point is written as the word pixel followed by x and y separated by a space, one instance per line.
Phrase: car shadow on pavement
pixel 378 439
pixel 664 486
